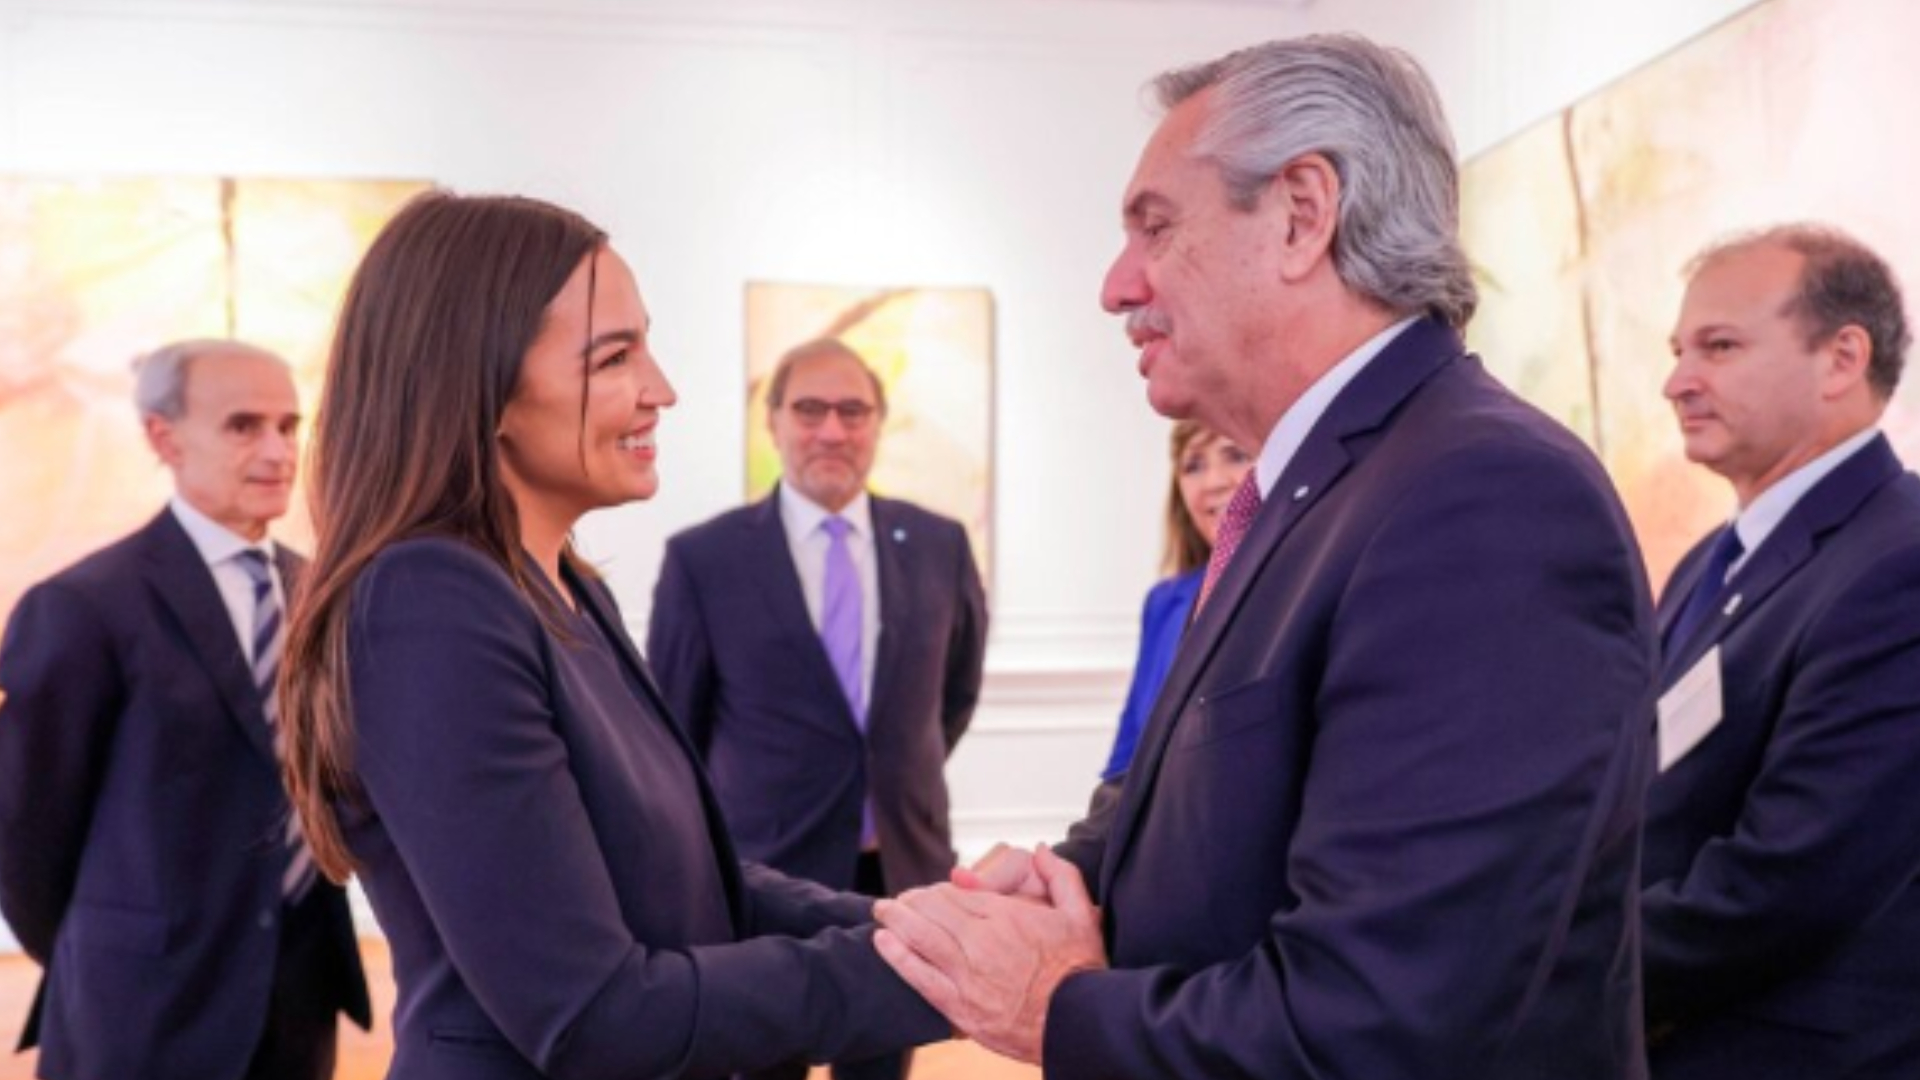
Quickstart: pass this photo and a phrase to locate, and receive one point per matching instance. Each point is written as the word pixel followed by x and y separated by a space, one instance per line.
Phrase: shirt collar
pixel 1297 422
pixel 803 516
pixel 1765 513
pixel 215 542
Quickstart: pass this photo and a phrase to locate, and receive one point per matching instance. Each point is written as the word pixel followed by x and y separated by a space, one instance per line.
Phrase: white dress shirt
pixel 1297 422
pixel 220 548
pixel 1758 520
pixel 808 541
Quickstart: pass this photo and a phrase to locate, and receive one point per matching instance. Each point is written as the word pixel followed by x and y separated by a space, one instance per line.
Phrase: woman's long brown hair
pixel 426 355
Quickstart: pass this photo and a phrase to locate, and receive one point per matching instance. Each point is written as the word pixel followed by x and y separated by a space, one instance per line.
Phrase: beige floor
pixel 364 1057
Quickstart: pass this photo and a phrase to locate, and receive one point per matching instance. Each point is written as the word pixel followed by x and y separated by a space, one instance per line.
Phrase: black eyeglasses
pixel 813 411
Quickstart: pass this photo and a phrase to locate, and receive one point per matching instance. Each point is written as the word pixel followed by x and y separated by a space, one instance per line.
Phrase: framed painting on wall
pixel 1581 226
pixel 96 271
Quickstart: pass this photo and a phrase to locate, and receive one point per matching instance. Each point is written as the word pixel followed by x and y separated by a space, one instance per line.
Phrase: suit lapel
pixel 599 607
pixel 894 555
pixel 1362 407
pixel 291 566
pixel 185 585
pixel 597 604
pixel 1686 577
pixel 1825 507
pixel 770 558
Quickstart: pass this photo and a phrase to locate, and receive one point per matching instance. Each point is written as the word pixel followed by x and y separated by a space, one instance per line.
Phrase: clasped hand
pixel 989 950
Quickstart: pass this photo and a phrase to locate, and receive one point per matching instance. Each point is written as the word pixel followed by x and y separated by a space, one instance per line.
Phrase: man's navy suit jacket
pixel 548 862
pixel 141 816
pixel 744 670
pixel 1385 819
pixel 1782 905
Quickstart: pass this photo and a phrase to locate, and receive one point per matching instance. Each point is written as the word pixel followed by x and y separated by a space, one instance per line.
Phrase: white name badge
pixel 1691 710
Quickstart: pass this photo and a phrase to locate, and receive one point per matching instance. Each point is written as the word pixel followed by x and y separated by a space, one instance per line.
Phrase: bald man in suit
pixel 146 861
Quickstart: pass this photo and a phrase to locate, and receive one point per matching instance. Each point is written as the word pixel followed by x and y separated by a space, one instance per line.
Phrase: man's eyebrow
pixel 1144 203
pixel 245 416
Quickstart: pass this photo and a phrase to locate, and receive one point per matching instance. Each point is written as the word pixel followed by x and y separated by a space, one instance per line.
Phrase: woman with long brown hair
pixel 468 725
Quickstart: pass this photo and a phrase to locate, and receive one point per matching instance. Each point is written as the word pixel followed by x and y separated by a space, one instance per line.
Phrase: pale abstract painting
pixel 94 272
pixel 1580 226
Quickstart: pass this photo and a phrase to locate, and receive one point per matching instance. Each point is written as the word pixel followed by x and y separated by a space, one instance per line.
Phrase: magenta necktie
pixel 1234 523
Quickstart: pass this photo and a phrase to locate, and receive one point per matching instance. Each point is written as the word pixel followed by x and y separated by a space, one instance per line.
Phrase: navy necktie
pixel 1706 593
pixel 269 637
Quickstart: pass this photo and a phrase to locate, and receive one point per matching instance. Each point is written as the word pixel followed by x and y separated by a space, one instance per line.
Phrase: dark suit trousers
pixel 867 880
pixel 300 1041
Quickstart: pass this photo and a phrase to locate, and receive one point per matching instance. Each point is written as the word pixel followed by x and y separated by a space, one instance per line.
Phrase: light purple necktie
pixel 840 616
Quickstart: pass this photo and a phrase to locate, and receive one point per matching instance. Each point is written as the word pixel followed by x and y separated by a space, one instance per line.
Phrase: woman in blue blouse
pixel 1206 469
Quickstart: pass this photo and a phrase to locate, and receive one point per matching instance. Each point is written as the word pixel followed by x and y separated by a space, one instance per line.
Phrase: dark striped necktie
pixel 269 637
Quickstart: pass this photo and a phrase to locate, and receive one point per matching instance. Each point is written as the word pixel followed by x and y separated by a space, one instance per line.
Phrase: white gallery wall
pixel 865 142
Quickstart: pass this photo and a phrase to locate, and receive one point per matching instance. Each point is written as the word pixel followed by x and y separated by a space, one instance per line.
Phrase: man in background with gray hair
pixel 1384 820
pixel 147 859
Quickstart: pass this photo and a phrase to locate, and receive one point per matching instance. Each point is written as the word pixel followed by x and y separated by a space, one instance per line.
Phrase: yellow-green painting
pixel 1580 227
pixel 933 349
pixel 94 272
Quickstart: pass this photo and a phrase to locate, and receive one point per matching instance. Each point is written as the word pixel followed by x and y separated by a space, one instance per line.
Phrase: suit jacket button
pixel 266 920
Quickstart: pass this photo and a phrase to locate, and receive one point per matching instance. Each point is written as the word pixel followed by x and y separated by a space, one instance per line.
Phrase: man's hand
pixel 990 963
pixel 1004 870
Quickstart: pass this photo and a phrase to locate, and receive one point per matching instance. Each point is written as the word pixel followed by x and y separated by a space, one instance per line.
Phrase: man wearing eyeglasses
pixel 823 648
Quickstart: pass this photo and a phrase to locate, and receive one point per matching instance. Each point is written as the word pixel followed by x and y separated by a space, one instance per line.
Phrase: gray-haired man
pixel 1384 818
pixel 145 855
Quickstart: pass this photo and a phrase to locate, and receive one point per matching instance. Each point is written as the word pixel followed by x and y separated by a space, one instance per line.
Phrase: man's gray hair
pixel 160 377
pixel 1375 116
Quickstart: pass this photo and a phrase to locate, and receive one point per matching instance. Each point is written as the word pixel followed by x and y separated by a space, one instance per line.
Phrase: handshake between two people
pixel 989 949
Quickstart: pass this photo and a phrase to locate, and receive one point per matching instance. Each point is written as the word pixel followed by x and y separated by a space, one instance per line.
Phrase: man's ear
pixel 160 436
pixel 1306 198
pixel 1845 357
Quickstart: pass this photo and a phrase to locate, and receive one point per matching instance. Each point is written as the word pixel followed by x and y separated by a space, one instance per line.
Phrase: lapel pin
pixel 1299 493
pixel 1733 605
pixel 899 536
